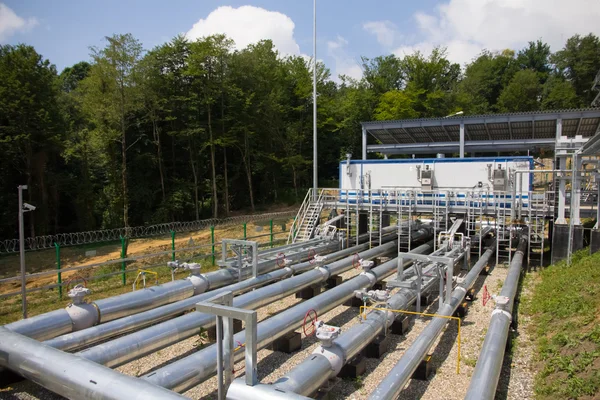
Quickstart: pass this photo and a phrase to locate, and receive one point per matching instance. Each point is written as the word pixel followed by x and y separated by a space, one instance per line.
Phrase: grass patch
pixel 565 311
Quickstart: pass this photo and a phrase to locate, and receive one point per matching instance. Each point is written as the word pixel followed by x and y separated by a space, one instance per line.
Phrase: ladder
pixel 503 227
pixel 538 209
pixel 307 218
pixel 405 203
pixel 474 219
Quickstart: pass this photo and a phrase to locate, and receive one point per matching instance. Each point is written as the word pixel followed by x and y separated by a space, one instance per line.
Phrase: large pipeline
pixel 130 347
pixel 98 333
pixel 392 384
pixel 71 376
pixel 326 362
pixel 81 316
pixel 194 369
pixel 489 364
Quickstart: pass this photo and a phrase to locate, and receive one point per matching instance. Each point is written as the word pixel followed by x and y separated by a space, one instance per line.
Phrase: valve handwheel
pixel 356 261
pixel 280 260
pixel 311 256
pixel 309 325
pixel 75 278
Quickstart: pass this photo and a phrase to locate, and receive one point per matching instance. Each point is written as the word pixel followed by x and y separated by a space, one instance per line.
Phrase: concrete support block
pixel 594 241
pixel 424 370
pixel 385 220
pixel 470 296
pixel 212 331
pixel 333 281
pixel 288 343
pixel 461 311
pixel 377 348
pixel 426 299
pixel 309 292
pixel 485 270
pixel 560 241
pixel 400 325
pixel 354 302
pixel 353 369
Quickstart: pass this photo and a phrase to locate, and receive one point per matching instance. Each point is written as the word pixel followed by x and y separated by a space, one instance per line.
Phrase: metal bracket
pixel 221 307
pixel 240 248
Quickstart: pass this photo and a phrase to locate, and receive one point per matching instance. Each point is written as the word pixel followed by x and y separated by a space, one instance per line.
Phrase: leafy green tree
pixel 536 57
pixel 558 94
pixel 31 127
pixel 111 97
pixel 522 93
pixel 579 62
pixel 396 104
pixel 383 73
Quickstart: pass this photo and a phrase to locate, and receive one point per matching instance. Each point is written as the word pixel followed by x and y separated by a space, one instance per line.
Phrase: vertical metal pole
pixel 212 241
pixel 22 251
pixel 364 143
pixel 462 140
pixel 58 274
pixel 315 174
pixel 271 231
pixel 123 255
pixel 221 389
pixel 245 227
pixel 173 245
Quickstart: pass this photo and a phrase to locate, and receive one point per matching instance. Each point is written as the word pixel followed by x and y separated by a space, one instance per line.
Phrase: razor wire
pixel 108 235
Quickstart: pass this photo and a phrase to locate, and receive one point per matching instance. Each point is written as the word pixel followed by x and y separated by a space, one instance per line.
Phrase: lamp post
pixel 315 174
pixel 455 114
pixel 23 208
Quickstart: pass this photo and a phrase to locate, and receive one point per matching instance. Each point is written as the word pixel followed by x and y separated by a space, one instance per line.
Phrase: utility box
pixel 499 180
pixel 427 179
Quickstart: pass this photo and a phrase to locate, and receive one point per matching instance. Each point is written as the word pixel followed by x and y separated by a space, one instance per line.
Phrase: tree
pixel 579 62
pixel 522 93
pixel 112 96
pixel 396 104
pixel 536 57
pixel 31 127
pixel 383 73
pixel 557 94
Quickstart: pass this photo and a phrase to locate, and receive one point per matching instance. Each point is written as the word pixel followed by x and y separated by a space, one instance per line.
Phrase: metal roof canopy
pixel 480 133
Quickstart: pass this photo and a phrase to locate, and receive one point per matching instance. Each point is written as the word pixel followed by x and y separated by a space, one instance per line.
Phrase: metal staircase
pixel 538 210
pixel 308 216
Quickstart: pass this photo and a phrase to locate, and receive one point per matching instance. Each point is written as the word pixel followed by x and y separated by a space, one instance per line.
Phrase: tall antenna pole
pixel 315 175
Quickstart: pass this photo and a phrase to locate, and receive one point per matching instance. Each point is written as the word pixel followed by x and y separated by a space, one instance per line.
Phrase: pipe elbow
pixel 200 283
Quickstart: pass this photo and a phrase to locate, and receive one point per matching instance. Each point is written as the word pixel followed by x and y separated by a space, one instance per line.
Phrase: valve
pixel 78 293
pixel 327 333
pixel 366 264
pixel 374 296
pixel 319 259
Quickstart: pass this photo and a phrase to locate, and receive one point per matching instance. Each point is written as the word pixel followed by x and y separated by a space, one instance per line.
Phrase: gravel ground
pixel 516 381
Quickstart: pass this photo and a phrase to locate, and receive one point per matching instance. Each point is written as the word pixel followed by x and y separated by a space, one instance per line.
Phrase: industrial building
pixel 428 226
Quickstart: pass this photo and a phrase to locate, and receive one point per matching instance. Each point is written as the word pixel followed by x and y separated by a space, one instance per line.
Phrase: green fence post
pixel 58 274
pixel 123 255
pixel 271 227
pixel 212 241
pixel 173 245
pixel 245 237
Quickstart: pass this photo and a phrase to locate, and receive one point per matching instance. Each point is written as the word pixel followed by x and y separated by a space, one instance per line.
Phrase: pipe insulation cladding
pixel 95 334
pixel 326 362
pixel 194 369
pixel 80 316
pixel 391 386
pixel 135 345
pixel 484 380
pixel 71 376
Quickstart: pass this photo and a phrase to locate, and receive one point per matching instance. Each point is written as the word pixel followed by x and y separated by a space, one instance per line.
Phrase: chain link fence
pixel 109 235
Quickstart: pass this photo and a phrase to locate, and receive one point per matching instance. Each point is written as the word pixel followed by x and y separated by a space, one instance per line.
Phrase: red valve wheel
pixel 356 261
pixel 486 295
pixel 309 325
pixel 311 256
pixel 280 260
pixel 76 278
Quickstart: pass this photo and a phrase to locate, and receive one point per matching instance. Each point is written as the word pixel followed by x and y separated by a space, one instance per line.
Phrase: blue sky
pixel 64 30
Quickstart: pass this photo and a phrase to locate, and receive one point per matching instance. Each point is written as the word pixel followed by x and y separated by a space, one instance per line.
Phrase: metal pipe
pixel 89 336
pixel 392 384
pixel 489 364
pixel 141 343
pixel 192 370
pixel 116 307
pixel 71 376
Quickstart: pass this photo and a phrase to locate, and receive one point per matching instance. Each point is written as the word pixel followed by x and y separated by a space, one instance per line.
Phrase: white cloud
pixel 466 27
pixel 385 31
pixel 11 23
pixel 247 25
pixel 344 63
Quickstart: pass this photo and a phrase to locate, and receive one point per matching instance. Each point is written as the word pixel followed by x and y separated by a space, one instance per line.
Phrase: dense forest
pixel 193 129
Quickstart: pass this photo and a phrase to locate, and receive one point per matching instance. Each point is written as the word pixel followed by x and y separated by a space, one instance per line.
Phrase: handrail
pixel 292 235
